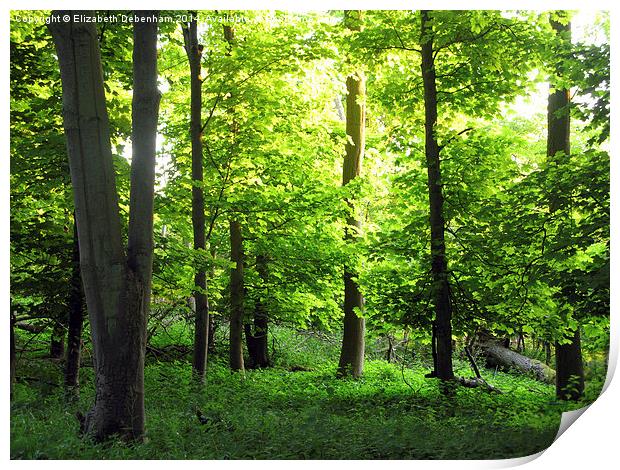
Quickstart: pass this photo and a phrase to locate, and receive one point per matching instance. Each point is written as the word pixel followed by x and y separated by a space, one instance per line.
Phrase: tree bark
pixel 57 341
pixel 212 323
pixel 13 354
pixel 76 316
pixel 237 289
pixel 520 342
pixel 211 334
pixel 390 353
pixel 441 286
pixel 353 342
pixel 116 286
pixel 236 296
pixel 257 340
pixel 568 360
pixel 558 111
pixel 569 367
pixel 201 330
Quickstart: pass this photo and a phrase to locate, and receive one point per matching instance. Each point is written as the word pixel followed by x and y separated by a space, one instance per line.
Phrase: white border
pixel 591 443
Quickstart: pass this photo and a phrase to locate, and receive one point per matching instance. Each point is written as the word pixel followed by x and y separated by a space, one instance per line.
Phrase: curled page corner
pixel 517 461
pixel 568 418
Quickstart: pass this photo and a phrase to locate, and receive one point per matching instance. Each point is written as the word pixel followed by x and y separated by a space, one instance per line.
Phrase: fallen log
pixel 22 325
pixel 478 382
pixel 505 358
pixel 169 352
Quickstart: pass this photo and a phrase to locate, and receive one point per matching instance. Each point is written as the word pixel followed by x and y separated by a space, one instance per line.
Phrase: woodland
pixel 376 234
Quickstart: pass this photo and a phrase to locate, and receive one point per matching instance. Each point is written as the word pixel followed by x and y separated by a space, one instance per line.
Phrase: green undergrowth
pixel 391 413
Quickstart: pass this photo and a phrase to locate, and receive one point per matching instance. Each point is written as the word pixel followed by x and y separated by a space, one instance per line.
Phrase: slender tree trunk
pixel 117 286
pixel 568 361
pixel 211 339
pixel 13 354
pixel 237 289
pixel 520 342
pixel 441 286
pixel 57 341
pixel 236 297
pixel 212 323
pixel 353 342
pixel 201 330
pixel 389 355
pixel 257 340
pixel 76 316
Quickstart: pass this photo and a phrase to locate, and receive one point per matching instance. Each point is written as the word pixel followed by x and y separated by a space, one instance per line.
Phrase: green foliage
pixel 41 195
pixel 379 416
pixel 527 236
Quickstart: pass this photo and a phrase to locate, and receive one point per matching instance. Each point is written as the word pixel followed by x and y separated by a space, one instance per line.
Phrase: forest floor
pixel 295 410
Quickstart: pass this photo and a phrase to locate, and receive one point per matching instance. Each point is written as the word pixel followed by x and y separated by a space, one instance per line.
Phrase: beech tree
pixel 352 351
pixel 76 317
pixel 568 360
pixel 237 257
pixel 117 284
pixel 201 329
pixel 236 296
pixel 442 325
pixel 256 338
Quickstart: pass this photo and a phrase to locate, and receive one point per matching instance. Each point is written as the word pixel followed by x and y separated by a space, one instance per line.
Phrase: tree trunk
pixel 441 286
pixel 237 289
pixel 76 315
pixel 568 361
pixel 57 341
pixel 211 335
pixel 236 296
pixel 116 286
pixel 569 366
pixel 13 354
pixel 390 354
pixel 201 330
pixel 211 318
pixel 520 342
pixel 353 342
pixel 558 113
pixel 257 340
pixel 433 350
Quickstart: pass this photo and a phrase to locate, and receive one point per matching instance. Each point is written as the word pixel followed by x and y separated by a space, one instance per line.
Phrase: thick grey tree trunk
pixel 353 342
pixel 201 330
pixel 116 286
pixel 439 265
pixel 569 363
